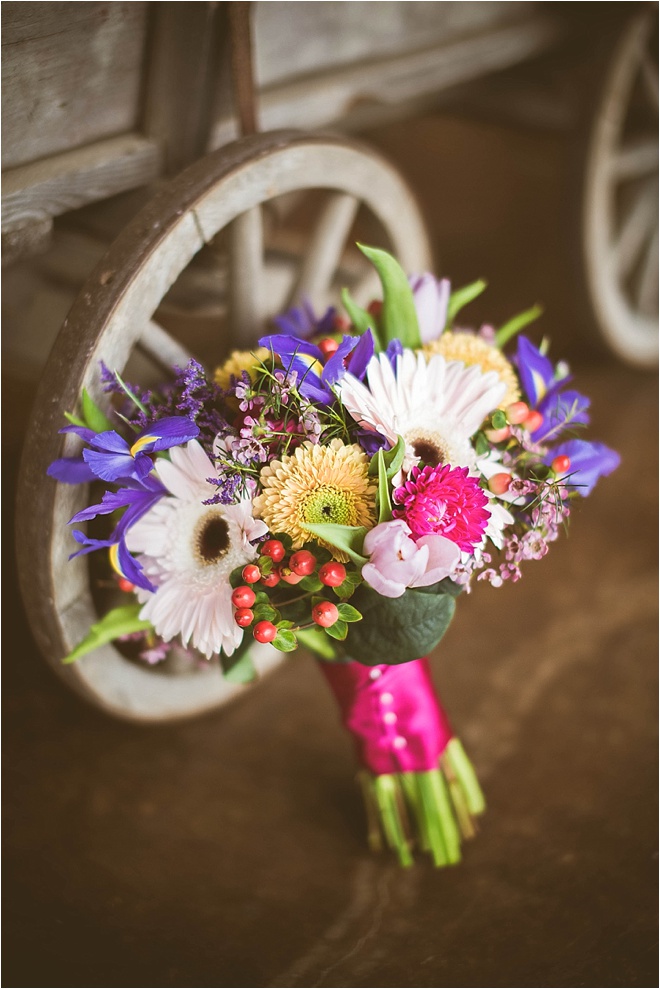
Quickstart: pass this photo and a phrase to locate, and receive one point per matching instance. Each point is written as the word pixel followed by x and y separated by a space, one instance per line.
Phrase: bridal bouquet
pixel 338 488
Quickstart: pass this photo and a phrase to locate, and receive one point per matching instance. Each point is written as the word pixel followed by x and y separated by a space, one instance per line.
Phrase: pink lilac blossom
pixel 446 501
pixel 396 561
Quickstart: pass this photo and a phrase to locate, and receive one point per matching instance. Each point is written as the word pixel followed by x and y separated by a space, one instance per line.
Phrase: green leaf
pixel 384 502
pixel 265 564
pixel 393 458
pixel 398 317
pixel 481 444
pixel 348 613
pixel 516 324
pixel 360 318
pixel 348 538
pixel 338 631
pixel 75 420
pixel 265 613
pixel 317 642
pixel 239 667
pixel 94 418
pixel 312 583
pixel 396 630
pixel 498 419
pixel 285 640
pixel 462 296
pixel 119 621
pixel 347 588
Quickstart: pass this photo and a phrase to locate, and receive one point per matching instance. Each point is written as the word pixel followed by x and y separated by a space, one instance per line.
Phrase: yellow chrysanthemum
pixel 238 361
pixel 314 485
pixel 471 349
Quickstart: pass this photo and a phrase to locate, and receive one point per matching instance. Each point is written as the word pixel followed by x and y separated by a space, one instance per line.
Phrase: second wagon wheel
pixel 113 318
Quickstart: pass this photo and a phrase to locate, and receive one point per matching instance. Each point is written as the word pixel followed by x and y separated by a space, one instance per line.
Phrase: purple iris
pixel 314 380
pixel 111 458
pixel 137 500
pixel 302 322
pixel 546 391
pixel 589 461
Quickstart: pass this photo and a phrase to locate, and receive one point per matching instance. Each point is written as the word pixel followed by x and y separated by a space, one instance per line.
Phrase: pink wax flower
pixel 397 561
pixel 446 501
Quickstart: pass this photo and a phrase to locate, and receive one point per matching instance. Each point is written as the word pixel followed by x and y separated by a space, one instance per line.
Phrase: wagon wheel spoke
pixel 647 294
pixel 635 231
pixel 326 248
pixel 246 278
pixel 162 348
pixel 634 159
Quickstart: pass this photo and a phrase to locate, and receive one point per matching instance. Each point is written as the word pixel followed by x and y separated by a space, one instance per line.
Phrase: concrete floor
pixel 230 850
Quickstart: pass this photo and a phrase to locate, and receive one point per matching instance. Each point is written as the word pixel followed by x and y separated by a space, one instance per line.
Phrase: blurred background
pixel 230 849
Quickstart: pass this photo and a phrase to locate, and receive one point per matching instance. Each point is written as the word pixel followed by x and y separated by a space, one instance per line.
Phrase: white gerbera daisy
pixel 188 550
pixel 436 406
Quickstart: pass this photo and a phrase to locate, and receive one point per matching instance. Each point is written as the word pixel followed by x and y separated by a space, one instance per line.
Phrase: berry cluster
pixel 264 604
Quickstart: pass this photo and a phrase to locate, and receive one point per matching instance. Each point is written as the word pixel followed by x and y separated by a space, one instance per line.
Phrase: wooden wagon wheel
pixel 113 316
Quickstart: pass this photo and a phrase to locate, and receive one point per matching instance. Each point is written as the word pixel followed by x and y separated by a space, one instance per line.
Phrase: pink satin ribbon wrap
pixel 393 713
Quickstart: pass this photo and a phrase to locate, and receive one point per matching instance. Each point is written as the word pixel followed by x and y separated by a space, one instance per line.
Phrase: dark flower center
pixel 428 452
pixel 213 539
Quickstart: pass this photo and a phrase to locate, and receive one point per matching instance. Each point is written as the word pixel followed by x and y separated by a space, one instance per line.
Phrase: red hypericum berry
pixel 375 307
pixel 332 574
pixel 243 597
pixel 303 562
pixel 517 412
pixel 533 421
pixel 288 576
pixel 341 323
pixel 271 579
pixel 251 573
pixel 561 464
pixel 498 435
pixel 125 585
pixel 499 483
pixel 264 631
pixel 274 549
pixel 325 613
pixel 244 617
pixel 328 346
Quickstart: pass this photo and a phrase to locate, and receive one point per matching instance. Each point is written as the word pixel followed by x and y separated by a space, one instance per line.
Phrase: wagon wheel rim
pixel 620 220
pixel 113 314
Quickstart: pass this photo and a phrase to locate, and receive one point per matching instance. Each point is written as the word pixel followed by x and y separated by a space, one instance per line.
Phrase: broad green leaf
pixel 347 588
pixel 396 630
pixel 317 642
pixel 94 418
pixel 241 670
pixel 462 296
pixel 481 444
pixel 348 538
pixel 312 583
pixel 359 317
pixel 265 613
pixel 119 621
pixel 338 631
pixel 75 420
pixel 285 640
pixel 398 316
pixel 516 324
pixel 393 458
pixel 384 501
pixel 348 613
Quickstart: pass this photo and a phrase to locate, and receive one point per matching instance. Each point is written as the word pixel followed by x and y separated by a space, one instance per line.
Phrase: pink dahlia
pixel 444 500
